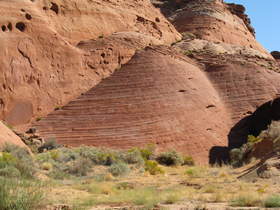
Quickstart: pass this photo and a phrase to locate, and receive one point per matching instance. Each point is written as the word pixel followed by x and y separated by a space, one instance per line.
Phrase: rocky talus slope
pixel 103 68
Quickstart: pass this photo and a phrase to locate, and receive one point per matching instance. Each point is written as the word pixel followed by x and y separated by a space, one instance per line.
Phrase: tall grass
pixel 19 194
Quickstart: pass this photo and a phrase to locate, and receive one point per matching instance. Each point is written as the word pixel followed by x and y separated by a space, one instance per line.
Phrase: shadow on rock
pixel 249 125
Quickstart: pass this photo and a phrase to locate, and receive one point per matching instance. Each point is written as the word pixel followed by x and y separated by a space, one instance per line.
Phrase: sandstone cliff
pixel 41 65
pixel 99 65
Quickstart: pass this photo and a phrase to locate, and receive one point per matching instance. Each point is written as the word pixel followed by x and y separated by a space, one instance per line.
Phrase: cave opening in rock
pixel 21 26
pixel 54 7
pixel 10 26
pixel 4 28
pixel 28 16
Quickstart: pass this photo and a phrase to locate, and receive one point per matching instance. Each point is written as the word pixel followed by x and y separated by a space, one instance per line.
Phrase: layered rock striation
pixel 94 73
pixel 41 65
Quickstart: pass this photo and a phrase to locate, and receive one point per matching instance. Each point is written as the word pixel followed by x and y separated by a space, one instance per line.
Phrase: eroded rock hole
pixel 4 28
pixel 54 7
pixel 103 55
pixel 28 16
pixel 140 19
pixel 10 26
pixel 21 26
pixel 210 106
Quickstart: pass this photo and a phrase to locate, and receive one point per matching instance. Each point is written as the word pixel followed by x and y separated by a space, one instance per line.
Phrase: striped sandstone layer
pixel 42 67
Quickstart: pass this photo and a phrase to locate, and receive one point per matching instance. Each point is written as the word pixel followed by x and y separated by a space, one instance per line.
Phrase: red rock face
pixel 154 98
pixel 216 21
pixel 85 59
pixel 40 65
pixel 7 136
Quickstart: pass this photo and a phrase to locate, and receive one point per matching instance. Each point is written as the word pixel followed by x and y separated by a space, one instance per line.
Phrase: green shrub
pixel 153 168
pixel 170 158
pixel 25 165
pixel 272 201
pixel 246 200
pixel 194 172
pixel 79 167
pixel 10 171
pixel 188 160
pixel 46 166
pixel 133 156
pixel 125 186
pixel 16 151
pixel 252 139
pixel 107 158
pixel 119 169
pixel 148 151
pixel 236 157
pixel 58 174
pixel 171 199
pixel 19 195
pixel 99 156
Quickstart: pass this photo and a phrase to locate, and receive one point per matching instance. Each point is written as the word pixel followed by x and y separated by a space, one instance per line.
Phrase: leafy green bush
pixel 99 156
pixel 153 168
pixel 20 161
pixel 19 195
pixel 79 167
pixel 147 152
pixel 119 169
pixel 252 139
pixel 10 171
pixel 170 158
pixel 236 157
pixel 125 186
pixel 133 156
pixel 272 201
pixel 195 171
pixel 246 200
pixel 188 160
pixel 16 151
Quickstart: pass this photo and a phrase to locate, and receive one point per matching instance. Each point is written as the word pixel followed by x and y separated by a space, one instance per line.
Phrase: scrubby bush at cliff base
pixel 170 158
pixel 79 167
pixel 19 195
pixel 188 160
pixel 15 161
pixel 239 156
pixel 247 200
pixel 236 157
pixel 272 201
pixel 133 156
pixel 119 169
pixel 153 168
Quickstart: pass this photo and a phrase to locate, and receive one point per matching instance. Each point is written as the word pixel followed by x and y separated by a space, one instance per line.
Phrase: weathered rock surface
pixel 156 97
pixel 42 68
pixel 214 21
pixel 89 61
pixel 8 136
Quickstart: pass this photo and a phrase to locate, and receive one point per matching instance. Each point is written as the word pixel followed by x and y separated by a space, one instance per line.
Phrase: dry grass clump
pixel 247 200
pixel 272 201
